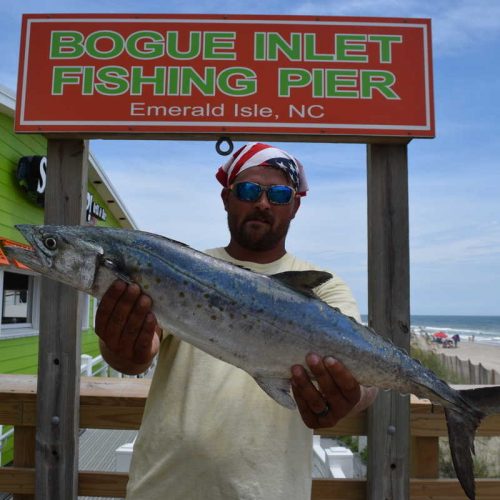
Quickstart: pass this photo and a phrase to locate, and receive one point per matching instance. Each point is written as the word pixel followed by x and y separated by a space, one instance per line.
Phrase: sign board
pixel 213 74
pixel 31 174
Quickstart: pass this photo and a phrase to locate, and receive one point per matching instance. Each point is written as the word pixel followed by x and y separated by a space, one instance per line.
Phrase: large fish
pixel 261 324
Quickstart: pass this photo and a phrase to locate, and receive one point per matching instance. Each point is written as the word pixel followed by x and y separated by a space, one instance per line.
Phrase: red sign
pixel 199 74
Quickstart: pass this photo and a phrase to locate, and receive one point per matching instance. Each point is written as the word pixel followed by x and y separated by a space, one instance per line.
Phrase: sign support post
pixel 389 314
pixel 56 470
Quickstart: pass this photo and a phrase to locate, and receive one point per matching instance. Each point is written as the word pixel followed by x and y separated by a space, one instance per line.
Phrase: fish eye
pixel 50 242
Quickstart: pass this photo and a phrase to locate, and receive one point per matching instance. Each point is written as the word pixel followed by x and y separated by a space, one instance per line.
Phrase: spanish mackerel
pixel 261 324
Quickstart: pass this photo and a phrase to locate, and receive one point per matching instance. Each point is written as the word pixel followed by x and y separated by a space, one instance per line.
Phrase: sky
pixel 454 179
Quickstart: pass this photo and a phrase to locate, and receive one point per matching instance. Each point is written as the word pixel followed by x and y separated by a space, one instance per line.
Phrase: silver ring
pixel 325 412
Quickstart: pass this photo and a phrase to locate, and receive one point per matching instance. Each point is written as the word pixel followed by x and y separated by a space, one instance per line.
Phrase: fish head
pixel 61 253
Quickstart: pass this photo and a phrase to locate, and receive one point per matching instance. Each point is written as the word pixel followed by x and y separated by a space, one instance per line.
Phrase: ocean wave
pixel 452 330
pixel 459 330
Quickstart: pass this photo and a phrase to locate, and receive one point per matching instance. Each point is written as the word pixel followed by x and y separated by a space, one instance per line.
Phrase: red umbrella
pixel 440 335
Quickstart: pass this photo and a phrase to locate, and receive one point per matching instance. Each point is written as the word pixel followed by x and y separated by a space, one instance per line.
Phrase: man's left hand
pixel 337 393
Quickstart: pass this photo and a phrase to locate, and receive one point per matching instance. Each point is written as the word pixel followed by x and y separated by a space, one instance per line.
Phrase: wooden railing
pixel 108 403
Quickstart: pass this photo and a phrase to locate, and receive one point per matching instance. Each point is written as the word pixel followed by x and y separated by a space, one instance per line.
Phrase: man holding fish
pixel 209 432
pixel 240 317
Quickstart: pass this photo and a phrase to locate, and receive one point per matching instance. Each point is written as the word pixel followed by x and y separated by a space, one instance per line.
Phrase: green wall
pixel 15 208
pixel 20 355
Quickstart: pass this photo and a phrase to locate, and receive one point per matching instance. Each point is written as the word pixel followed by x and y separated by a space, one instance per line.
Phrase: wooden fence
pixel 107 403
pixel 468 372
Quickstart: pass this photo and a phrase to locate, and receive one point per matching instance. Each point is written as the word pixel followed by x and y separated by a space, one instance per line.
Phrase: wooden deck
pixel 119 404
pixel 97 451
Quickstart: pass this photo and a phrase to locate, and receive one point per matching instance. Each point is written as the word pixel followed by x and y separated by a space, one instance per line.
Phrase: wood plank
pixel 60 332
pixel 450 489
pixel 127 390
pixel 98 417
pixel 428 419
pixel 19 480
pixel 235 137
pixel 24 387
pixel 425 457
pixel 346 489
pixel 24 452
pixel 102 484
pixel 24 446
pixel 351 426
pixel 102 398
pixel 388 314
pixel 124 412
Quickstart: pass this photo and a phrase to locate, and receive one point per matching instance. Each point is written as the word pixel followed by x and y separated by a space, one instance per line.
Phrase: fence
pixel 468 372
pixel 113 403
pixel 90 367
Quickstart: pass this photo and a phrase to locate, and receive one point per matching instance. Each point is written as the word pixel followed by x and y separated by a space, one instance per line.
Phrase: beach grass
pixel 431 360
pixel 485 460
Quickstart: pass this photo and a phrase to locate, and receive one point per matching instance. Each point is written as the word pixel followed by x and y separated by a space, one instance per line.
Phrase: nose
pixel 263 202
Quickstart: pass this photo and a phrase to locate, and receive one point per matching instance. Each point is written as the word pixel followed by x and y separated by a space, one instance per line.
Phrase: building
pixel 23 168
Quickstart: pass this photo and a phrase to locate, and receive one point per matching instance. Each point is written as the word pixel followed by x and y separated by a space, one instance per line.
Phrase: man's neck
pixel 258 256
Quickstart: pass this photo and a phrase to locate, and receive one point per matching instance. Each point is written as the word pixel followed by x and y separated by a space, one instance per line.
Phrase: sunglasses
pixel 251 191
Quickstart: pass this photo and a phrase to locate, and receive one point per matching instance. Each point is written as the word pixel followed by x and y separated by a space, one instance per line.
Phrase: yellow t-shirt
pixel 209 432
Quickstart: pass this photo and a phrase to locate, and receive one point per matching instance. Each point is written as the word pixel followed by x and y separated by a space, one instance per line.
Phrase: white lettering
pixel 42 181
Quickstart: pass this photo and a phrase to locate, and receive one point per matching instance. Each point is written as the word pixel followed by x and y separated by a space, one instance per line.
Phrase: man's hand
pixel 126 326
pixel 337 394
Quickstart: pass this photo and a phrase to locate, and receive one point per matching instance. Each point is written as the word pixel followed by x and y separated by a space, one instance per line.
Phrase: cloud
pixel 459 25
pixel 168 187
pixel 465 25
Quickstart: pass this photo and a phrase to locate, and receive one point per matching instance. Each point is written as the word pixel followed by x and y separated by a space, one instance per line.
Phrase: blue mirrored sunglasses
pixel 251 191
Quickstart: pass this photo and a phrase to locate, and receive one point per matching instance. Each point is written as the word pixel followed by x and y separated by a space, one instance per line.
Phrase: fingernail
pixel 313 359
pixel 329 361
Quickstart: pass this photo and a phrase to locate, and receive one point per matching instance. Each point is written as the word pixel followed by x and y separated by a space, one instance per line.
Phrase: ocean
pixel 483 328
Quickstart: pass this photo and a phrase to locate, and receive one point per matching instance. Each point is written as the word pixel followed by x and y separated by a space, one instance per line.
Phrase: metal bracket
pixel 220 142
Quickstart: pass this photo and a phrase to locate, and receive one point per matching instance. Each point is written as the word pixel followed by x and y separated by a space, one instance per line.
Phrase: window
pixel 15 298
pixel 19 303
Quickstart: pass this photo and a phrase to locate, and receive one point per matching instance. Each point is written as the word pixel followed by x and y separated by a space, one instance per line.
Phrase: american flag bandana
pixel 256 154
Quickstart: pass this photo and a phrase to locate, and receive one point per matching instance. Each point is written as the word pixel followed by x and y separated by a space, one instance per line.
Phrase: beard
pixel 257 239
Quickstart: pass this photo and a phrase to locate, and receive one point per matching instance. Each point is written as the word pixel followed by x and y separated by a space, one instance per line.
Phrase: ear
pixel 224 194
pixel 296 206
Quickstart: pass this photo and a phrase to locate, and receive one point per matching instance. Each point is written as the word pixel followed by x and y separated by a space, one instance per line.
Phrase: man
pixel 209 432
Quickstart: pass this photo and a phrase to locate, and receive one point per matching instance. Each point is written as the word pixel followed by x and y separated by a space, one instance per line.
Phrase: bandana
pixel 256 154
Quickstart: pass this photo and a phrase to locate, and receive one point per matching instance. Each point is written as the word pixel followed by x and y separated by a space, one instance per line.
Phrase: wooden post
pixel 389 315
pixel 60 327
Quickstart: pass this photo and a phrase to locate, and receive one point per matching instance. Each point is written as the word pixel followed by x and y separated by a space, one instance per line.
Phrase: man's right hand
pixel 126 327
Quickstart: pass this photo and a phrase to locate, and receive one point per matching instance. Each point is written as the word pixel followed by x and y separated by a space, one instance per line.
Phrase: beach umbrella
pixel 440 335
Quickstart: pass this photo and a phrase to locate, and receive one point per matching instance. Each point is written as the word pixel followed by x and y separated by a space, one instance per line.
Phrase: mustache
pixel 260 216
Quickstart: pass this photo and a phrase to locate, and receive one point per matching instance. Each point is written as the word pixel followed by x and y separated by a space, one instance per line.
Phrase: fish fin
pixel 303 281
pixel 486 399
pixel 462 427
pixel 109 264
pixel 278 389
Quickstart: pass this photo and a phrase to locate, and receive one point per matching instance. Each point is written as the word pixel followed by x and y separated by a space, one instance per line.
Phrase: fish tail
pixel 462 424
pixel 485 399
pixel 462 427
